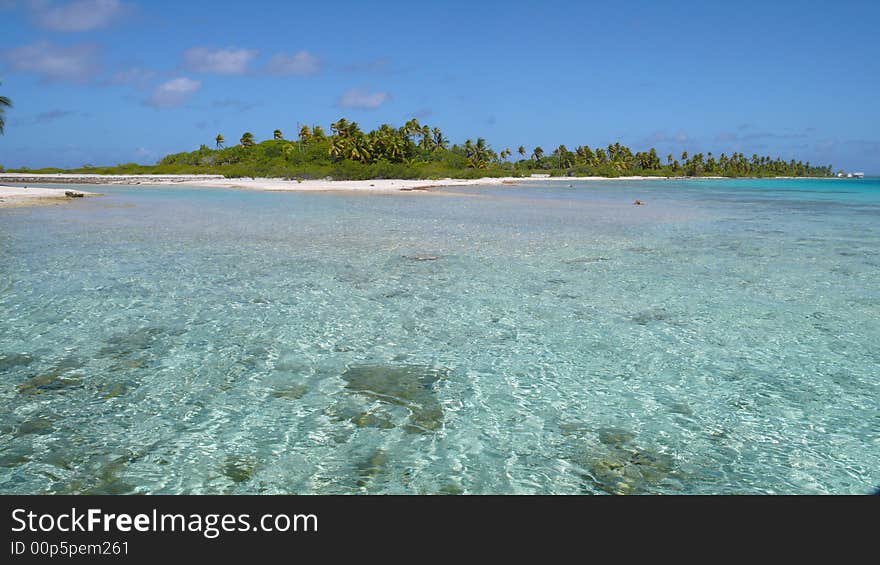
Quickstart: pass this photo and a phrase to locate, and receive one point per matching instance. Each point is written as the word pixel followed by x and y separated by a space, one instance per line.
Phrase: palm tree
pixel 340 127
pixel 440 142
pixel 584 154
pixel 304 134
pixel 247 140
pixel 337 146
pixel 412 128
pixel 427 141
pixel 359 149
pixel 521 151
pixel 276 135
pixel 563 156
pixel 468 148
pixel 219 141
pixel 4 103
pixel 318 133
pixel 537 154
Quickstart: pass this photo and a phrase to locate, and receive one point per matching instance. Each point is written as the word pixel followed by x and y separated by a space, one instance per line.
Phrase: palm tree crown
pixel 4 103
pixel 537 153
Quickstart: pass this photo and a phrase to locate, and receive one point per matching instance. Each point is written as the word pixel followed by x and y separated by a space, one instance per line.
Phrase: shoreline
pixel 321 185
pixel 18 197
pixel 276 184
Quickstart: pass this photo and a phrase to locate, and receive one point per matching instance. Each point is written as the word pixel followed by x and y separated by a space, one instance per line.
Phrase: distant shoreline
pixel 14 197
pixel 320 184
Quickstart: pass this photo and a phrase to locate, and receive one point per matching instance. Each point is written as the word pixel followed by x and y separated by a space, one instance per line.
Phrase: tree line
pixel 416 150
pixel 415 143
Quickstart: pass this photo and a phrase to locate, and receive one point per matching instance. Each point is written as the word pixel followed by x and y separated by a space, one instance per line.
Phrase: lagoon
pixel 535 339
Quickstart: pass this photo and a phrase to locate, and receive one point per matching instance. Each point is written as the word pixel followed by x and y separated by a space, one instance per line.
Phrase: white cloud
pixel 302 63
pixel 174 92
pixel 75 63
pixel 358 98
pixel 79 15
pixel 219 61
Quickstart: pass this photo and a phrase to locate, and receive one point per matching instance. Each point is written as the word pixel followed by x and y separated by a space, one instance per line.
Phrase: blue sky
pixel 115 81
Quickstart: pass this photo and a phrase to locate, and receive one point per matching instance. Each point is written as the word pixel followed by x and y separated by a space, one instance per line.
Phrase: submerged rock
pixel 650 316
pixel 114 390
pixel 239 469
pixel 617 464
pixel 106 480
pixel 410 386
pixel 54 379
pixel 451 489
pixel 681 408
pixel 371 467
pixel 630 469
pixel 615 437
pixel 36 426
pixel 578 260
pixel 123 345
pixel 375 419
pixel 12 360
pixel 293 391
pixel 133 363
pixel 14 456
pixel 46 383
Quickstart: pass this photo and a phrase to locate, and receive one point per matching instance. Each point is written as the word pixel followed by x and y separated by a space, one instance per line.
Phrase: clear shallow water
pixel 723 338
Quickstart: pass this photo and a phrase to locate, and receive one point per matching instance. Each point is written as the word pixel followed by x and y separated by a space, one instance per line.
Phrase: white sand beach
pixel 275 184
pixel 16 196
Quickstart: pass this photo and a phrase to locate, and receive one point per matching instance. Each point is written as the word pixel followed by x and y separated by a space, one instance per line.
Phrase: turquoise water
pixel 722 338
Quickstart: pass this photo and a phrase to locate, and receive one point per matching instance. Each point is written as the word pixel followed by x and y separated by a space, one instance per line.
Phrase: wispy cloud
pixel 73 63
pixel 357 98
pixel 134 76
pixel 659 137
pixel 44 118
pixel 378 66
pixel 420 114
pixel 729 137
pixel 374 66
pixel 229 61
pixel 865 147
pixel 300 63
pixel 234 103
pixel 79 15
pixel 173 93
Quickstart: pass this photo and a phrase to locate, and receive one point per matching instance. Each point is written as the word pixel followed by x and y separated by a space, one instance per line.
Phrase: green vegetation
pixel 419 151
